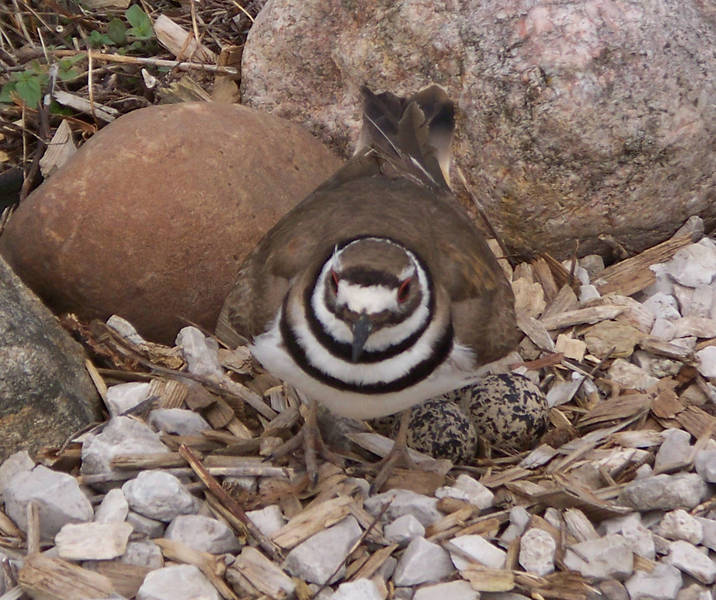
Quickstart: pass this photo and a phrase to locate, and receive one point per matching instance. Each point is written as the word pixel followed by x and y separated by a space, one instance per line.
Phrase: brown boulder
pixel 152 217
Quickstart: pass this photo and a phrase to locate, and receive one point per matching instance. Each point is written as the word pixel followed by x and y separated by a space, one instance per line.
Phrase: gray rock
pixel 178 421
pixel 587 293
pixel 404 502
pixel 662 306
pixel 611 589
pixel 114 507
pixel 143 554
pixel 468 549
pixel 122 435
pixel 593 264
pixel 268 519
pixel 58 497
pixel 422 562
pixel 316 558
pixel 125 397
pixel 146 526
pixel 708 527
pixel 13 464
pixel 477 493
pixel 694 592
pixel 663 329
pixel 707 361
pixel 200 353
pixel 694 265
pixel 603 558
pixel 551 95
pixel 674 449
pixel 687 558
pixel 451 590
pixel 92 541
pixel 663 583
pixel 360 589
pixel 519 519
pixel 680 525
pixel 537 549
pixel 403 529
pixel 665 492
pixel 638 537
pixel 45 392
pixel 179 582
pixel 204 534
pixel 159 495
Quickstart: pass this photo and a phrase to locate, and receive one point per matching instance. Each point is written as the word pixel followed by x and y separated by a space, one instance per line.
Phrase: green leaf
pixel 58 109
pixel 29 89
pixel 141 24
pixel 117 31
pixel 6 92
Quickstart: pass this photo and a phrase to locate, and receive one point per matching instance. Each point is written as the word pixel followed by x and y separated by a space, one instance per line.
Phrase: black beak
pixel 361 330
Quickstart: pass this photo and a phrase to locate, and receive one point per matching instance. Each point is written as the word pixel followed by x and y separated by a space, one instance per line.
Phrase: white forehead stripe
pixel 371 298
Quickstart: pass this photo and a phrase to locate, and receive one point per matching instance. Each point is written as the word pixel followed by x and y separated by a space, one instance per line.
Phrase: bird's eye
pixel 334 281
pixel 404 290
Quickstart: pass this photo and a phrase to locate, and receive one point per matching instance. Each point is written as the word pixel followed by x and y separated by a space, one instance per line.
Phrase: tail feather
pixel 411 134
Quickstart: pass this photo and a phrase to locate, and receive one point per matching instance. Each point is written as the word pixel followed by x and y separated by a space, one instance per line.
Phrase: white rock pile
pixel 172 498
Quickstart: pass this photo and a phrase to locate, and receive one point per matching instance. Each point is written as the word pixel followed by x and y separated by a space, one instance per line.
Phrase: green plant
pixel 28 84
pixel 118 34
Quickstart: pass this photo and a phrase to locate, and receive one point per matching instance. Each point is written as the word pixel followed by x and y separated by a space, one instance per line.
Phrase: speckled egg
pixel 439 428
pixel 507 409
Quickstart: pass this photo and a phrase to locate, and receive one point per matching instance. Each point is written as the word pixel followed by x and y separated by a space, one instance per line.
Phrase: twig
pixel 231 504
pixel 157 62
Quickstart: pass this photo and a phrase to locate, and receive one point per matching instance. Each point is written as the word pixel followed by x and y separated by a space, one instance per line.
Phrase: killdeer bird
pixel 377 291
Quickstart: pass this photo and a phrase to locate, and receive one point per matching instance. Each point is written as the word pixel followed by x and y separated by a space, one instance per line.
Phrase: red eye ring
pixel 334 281
pixel 404 290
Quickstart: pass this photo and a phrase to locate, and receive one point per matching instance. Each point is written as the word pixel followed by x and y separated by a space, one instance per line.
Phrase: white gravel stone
pixel 178 421
pixel 159 495
pixel 702 302
pixel 687 558
pixel 675 448
pixel 537 550
pixel 58 496
pixel 663 583
pixel 680 525
pixel 629 375
pixel 360 589
pixel 146 526
pixel 657 366
pixel 588 292
pixel 707 361
pixel 268 519
pixel 477 494
pixel 468 549
pixel 423 508
pixel 126 396
pixel 662 306
pixel 143 554
pixel 200 353
pixel 695 592
pixel 318 557
pixel 663 329
pixel 122 435
pixel 422 562
pixel 639 538
pixel 14 464
pixel 593 264
pixel 451 590
pixel 519 519
pixel 403 529
pixel 693 265
pixel 114 507
pixel 708 526
pixel 178 582
pixel 664 492
pixel 204 534
pixel 92 541
pixel 604 558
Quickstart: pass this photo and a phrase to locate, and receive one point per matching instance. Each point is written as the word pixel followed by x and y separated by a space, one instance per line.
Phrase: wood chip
pixel 536 331
pixel 581 316
pixel 483 579
pixel 570 347
pixel 59 150
pixel 56 579
pixel 565 301
pixel 105 113
pixel 180 42
pixel 311 521
pixel 633 274
pixel 265 576
pixel 617 409
pixel 543 274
